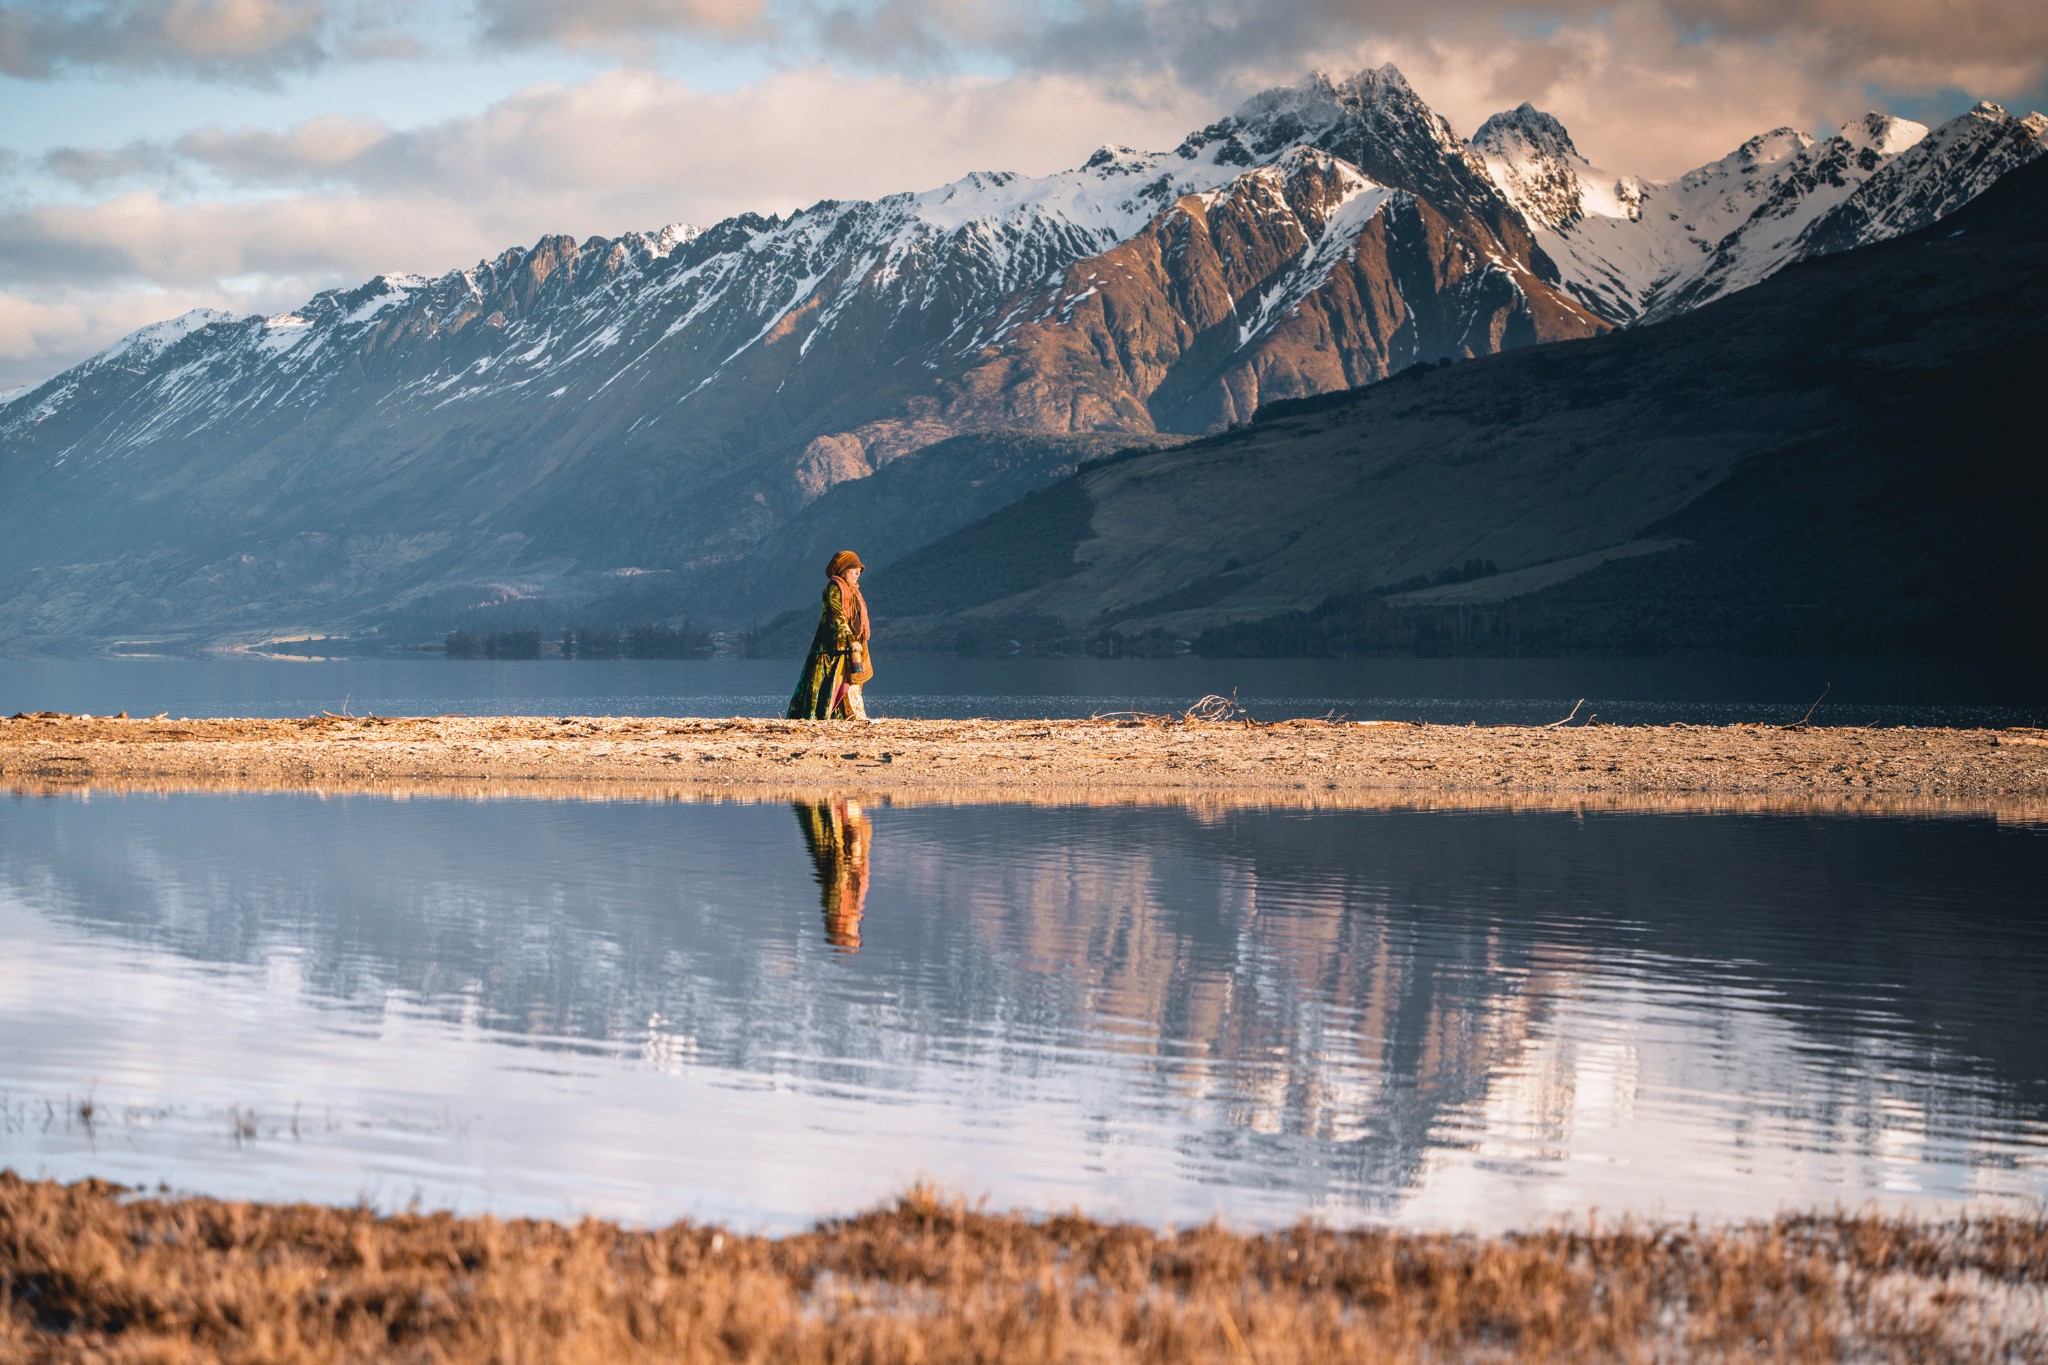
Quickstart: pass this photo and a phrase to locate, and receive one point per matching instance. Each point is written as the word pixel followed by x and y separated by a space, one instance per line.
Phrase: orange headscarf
pixel 849 592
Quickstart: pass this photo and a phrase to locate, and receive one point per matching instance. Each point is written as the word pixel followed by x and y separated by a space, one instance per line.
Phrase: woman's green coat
pixel 829 664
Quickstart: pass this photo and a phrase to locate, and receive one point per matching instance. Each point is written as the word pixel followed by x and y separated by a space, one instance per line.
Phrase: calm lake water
pixel 1453 691
pixel 765 1013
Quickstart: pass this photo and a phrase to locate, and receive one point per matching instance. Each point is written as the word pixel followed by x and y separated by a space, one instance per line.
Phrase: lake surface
pixel 1448 691
pixel 765 1013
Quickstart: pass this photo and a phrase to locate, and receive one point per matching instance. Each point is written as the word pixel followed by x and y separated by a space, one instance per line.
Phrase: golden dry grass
pixel 86 1274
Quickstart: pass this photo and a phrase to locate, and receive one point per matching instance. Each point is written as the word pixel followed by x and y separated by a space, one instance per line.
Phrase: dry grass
pixel 88 1275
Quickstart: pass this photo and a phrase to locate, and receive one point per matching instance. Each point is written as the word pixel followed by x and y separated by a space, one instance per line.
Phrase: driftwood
pixel 1209 710
pixel 1573 712
pixel 1800 724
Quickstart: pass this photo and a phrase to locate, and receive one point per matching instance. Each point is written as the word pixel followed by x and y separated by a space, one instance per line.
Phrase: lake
pixel 766 1013
pixel 1447 691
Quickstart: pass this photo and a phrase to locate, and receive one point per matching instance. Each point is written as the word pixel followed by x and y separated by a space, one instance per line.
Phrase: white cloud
pixel 521 23
pixel 234 39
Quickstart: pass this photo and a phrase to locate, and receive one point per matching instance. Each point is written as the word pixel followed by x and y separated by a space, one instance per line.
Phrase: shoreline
pixel 89 1271
pixel 1308 764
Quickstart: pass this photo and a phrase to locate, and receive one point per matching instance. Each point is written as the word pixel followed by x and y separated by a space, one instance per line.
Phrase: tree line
pixel 648 640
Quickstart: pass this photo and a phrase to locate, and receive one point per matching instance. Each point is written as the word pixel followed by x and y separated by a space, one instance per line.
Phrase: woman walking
pixel 829 686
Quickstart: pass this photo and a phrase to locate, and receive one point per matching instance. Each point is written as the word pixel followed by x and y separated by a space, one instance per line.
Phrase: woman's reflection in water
pixel 838 833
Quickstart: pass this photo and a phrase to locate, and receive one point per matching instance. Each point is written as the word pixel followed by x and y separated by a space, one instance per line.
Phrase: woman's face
pixel 853 576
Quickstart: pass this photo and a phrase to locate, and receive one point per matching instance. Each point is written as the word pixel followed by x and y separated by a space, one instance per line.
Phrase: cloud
pixel 632 147
pixel 1649 86
pixel 313 150
pixel 1200 39
pixel 95 168
pixel 140 240
pixel 1985 41
pixel 527 23
pixel 241 41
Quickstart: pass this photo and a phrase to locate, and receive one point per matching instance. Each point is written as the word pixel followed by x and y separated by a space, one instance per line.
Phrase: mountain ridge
pixel 531 427
pixel 1844 458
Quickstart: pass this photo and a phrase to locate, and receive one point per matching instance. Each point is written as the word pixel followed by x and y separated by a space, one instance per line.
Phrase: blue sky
pixel 159 155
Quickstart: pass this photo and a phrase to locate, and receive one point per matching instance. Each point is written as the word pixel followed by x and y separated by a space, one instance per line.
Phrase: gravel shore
pixel 1300 762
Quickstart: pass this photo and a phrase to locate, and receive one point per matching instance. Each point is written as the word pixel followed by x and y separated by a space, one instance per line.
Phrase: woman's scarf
pixel 855 606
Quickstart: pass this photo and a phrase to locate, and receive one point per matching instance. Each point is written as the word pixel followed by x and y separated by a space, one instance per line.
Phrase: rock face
pixel 662 407
pixel 1846 457
pixel 1631 249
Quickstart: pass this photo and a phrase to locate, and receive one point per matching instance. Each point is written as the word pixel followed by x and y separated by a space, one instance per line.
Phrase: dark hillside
pixel 1848 457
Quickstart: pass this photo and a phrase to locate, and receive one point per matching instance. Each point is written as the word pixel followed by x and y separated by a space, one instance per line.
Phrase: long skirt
pixel 825 690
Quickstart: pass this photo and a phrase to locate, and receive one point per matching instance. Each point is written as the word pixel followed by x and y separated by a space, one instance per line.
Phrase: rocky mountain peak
pixel 1533 162
pixel 1374 120
pixel 1113 158
pixel 1522 132
pixel 1775 145
pixel 1376 106
pixel 1882 133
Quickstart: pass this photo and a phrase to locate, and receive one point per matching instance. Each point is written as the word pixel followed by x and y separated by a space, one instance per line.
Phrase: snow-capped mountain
pixel 1931 178
pixel 1633 249
pixel 1845 458
pixel 950 279
pixel 546 420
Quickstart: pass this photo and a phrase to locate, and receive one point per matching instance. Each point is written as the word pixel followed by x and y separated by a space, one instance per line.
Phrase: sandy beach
pixel 1311 763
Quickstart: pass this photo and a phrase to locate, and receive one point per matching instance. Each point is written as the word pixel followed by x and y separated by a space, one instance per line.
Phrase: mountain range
pixel 1846 458
pixel 677 421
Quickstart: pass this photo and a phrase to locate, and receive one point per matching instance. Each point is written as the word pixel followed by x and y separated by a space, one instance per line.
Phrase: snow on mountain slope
pixel 1744 214
pixel 1931 178
pixel 1631 248
pixel 132 353
pixel 1530 156
pixel 140 347
pixel 1584 218
pixel 1634 249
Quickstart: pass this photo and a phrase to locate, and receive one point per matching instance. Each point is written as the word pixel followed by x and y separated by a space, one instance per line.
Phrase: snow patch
pixel 149 342
pixel 283 332
pixel 1336 243
pixel 397 291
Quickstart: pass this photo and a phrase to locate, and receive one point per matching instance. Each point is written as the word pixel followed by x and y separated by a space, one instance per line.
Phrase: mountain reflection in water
pixel 1440 1018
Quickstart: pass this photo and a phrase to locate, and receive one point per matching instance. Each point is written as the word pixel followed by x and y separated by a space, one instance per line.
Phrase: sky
pixel 162 155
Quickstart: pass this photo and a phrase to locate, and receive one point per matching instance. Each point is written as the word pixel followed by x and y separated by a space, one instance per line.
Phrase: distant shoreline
pixel 1305 763
pixel 89 1270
